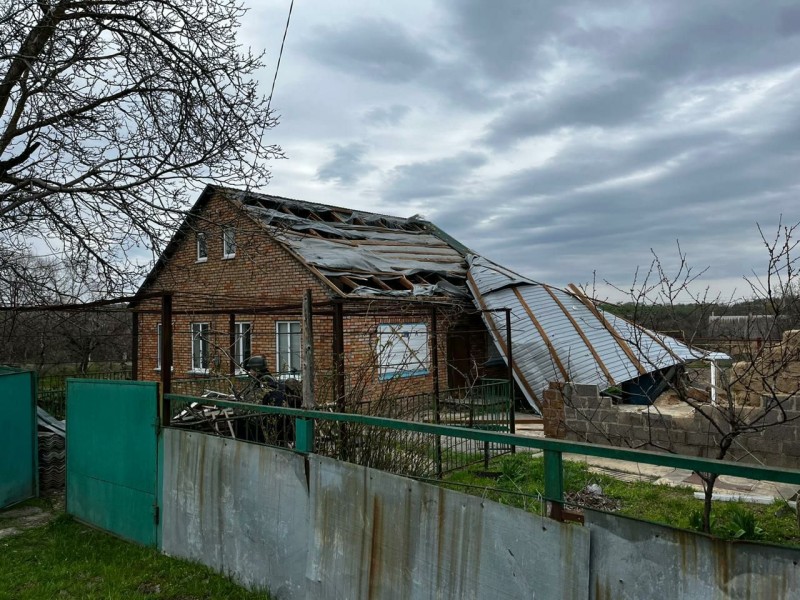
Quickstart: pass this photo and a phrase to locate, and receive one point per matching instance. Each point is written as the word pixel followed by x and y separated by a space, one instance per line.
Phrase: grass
pixel 518 480
pixel 68 560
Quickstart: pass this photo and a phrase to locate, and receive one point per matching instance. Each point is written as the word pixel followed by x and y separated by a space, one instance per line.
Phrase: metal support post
pixel 512 409
pixel 554 484
pixel 436 390
pixel 166 358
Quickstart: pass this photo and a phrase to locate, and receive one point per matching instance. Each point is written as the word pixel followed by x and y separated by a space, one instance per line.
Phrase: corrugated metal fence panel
pixel 112 456
pixel 378 535
pixel 632 559
pixel 18 440
pixel 240 508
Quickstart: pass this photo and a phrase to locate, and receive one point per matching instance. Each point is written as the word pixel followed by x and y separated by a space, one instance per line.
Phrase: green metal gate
pixel 112 456
pixel 18 462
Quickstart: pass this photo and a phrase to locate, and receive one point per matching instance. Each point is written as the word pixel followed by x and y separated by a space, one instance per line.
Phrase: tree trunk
pixel 709 480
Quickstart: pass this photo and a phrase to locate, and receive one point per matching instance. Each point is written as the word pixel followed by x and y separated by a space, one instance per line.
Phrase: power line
pixel 271 92
pixel 280 54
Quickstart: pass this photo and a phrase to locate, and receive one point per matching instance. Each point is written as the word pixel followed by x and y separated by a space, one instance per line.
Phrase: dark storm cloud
pixel 378 49
pixel 347 164
pixel 610 104
pixel 506 39
pixel 386 115
pixel 431 179
pixel 658 121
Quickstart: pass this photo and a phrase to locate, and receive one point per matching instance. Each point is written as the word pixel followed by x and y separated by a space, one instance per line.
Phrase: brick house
pixel 386 291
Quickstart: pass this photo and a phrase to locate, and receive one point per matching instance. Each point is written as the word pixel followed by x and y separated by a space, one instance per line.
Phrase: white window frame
pixel 228 242
pixel 201 332
pixel 292 345
pixel 239 328
pixel 403 350
pixel 201 244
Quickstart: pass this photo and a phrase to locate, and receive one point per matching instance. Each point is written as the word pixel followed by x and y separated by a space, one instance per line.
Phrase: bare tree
pixel 754 394
pixel 108 110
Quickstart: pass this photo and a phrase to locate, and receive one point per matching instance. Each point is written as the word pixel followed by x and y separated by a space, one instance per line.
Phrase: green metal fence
pixel 308 424
pixel 52 391
pixel 485 406
pixel 112 456
pixel 18 460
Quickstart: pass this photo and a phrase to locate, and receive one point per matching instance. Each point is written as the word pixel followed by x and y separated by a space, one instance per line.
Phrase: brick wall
pixel 264 274
pixel 578 412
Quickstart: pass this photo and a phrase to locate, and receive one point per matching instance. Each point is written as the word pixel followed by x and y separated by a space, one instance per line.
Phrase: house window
pixel 158 346
pixel 202 247
pixel 402 350
pixel 228 242
pixel 242 349
pixel 200 335
pixel 288 344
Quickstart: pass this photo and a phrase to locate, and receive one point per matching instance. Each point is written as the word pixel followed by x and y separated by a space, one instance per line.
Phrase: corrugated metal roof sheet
pixel 559 336
pixel 363 253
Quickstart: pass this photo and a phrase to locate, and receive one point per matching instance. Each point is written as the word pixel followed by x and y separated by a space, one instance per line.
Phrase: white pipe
pixel 713 383
pixel 737 498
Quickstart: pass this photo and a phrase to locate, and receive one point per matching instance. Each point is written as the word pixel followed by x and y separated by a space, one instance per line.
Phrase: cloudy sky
pixel 559 139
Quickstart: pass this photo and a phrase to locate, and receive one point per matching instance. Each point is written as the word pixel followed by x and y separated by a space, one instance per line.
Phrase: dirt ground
pixel 18 518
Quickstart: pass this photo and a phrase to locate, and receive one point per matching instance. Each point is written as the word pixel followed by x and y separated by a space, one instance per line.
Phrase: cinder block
pixel 688 450
pixel 790 448
pixel 700 439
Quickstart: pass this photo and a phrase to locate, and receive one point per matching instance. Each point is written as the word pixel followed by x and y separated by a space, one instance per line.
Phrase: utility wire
pixel 280 54
pixel 272 90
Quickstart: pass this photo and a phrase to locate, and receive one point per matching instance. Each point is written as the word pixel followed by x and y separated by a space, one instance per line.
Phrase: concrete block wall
pixel 578 412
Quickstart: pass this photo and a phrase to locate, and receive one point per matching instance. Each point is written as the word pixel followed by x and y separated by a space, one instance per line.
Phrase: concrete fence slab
pixel 632 560
pixel 240 508
pixel 378 535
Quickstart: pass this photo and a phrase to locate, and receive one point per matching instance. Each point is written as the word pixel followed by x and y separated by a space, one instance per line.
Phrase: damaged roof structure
pixel 361 253
pixel 556 335
pixel 562 336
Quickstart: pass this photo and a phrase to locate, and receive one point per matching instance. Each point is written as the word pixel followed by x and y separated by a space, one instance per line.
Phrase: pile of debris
pixel 592 497
pixel 52 453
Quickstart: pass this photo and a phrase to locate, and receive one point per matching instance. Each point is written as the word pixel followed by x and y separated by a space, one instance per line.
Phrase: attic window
pixel 228 242
pixel 202 247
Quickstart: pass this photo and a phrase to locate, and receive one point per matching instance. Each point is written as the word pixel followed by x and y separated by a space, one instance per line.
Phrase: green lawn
pixel 518 479
pixel 65 560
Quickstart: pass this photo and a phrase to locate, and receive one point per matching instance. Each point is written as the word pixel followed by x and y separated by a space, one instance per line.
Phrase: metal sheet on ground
pixel 378 535
pixel 631 559
pixel 18 440
pixel 240 508
pixel 112 457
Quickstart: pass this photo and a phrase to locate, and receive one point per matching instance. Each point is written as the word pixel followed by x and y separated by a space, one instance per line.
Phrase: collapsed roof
pixel 362 253
pixel 562 336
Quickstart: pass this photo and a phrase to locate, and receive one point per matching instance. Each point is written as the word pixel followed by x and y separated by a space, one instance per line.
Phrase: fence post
pixel 554 483
pixel 308 352
pixel 135 346
pixel 512 409
pixel 338 369
pixel 436 390
pixel 304 435
pixel 232 341
pixel 166 358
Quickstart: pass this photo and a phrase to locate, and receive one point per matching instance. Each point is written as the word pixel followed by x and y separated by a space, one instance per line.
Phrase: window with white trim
pixel 402 350
pixel 202 247
pixel 200 337
pixel 228 242
pixel 243 347
pixel 287 343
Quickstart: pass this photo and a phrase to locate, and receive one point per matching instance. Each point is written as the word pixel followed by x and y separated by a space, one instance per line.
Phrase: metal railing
pixel 486 405
pixel 308 423
pixel 52 389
